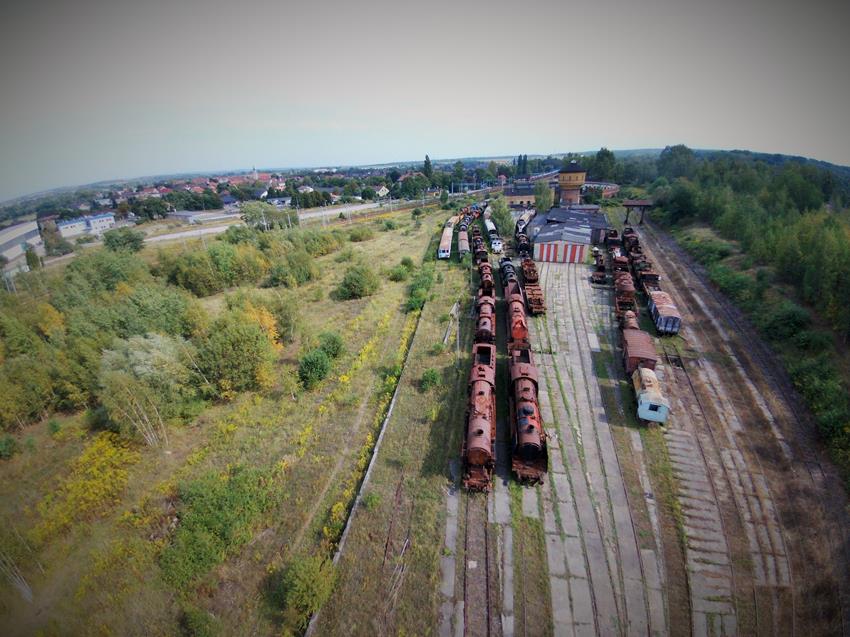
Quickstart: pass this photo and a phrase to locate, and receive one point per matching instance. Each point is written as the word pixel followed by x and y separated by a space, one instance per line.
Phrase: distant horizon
pixel 225 171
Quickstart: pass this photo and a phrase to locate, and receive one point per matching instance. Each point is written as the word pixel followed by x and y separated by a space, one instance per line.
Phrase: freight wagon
pixel 664 313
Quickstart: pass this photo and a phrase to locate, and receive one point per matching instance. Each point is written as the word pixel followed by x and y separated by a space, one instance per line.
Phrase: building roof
pixel 573 167
pixel 573 225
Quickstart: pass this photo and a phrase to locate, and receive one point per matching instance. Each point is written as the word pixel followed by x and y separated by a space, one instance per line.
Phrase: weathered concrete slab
pixel 530 506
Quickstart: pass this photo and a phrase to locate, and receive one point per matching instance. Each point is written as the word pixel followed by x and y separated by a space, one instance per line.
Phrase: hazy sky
pixel 102 89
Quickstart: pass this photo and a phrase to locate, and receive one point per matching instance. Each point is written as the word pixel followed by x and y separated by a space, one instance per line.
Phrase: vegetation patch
pixel 97 480
pixel 218 512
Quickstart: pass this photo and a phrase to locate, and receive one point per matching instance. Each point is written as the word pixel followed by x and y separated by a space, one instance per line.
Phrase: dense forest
pixel 787 222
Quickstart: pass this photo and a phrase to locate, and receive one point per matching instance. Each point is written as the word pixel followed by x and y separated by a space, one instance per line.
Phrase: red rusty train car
pixel 485 323
pixel 485 273
pixel 479 442
pixel 529 453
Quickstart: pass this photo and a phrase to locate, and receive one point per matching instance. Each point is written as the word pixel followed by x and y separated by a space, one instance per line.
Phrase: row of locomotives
pixel 639 360
pixel 664 313
pixel 531 284
pixel 529 452
pixel 479 442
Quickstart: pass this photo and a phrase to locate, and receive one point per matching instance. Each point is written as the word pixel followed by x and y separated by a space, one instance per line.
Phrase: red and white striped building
pixel 561 252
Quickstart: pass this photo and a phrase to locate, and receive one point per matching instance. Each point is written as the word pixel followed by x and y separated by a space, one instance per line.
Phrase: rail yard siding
pixel 560 252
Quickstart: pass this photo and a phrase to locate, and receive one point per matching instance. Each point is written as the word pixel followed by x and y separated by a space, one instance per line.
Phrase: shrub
pixel 783 322
pixel 345 255
pixel 313 367
pixel 123 239
pixel 419 286
pixel 53 426
pixel 388 225
pixel 371 500
pixel 358 281
pixel 417 212
pixel 361 233
pixel 437 349
pixel 407 262
pixel 398 273
pixel 430 379
pixel 235 356
pixel 331 344
pixel 198 623
pixel 813 340
pixel 305 586
pixel 8 447
pixel 217 515
pixel 97 479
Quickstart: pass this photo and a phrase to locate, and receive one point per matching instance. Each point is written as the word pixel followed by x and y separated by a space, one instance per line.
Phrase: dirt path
pixel 789 504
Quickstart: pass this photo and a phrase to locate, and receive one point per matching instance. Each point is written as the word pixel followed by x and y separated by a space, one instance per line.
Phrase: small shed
pixel 638 351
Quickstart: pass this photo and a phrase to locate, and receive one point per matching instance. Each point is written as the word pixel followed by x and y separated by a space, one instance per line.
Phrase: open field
pixel 295 461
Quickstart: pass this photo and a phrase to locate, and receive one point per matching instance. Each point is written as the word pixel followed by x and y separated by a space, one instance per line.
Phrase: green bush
pixel 8 447
pixel 407 262
pixel 53 426
pixel 358 281
pixel 217 516
pixel 388 225
pixel 123 239
pixel 331 344
pixel 783 322
pixel 398 273
pixel 437 349
pixel 304 587
pixel 430 379
pixel 198 623
pixel 235 356
pixel 813 340
pixel 417 212
pixel 361 233
pixel 371 500
pixel 313 367
pixel 419 287
pixel 344 255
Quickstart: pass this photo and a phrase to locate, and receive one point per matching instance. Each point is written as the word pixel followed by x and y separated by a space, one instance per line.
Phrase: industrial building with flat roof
pixel 564 235
pixel 14 243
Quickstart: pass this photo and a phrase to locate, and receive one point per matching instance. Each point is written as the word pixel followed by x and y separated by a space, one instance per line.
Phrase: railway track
pixel 479 620
pixel 768 533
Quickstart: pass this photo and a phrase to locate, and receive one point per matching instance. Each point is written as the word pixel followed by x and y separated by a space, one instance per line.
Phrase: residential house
pixel 382 191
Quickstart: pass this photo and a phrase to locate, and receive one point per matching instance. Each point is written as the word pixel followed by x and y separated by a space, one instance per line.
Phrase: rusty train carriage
pixel 530 455
pixel 479 444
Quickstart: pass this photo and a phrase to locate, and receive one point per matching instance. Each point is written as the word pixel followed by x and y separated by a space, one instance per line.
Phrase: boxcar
pixel 664 313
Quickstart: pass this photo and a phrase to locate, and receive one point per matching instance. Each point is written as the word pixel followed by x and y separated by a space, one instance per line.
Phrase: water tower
pixel 570 180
